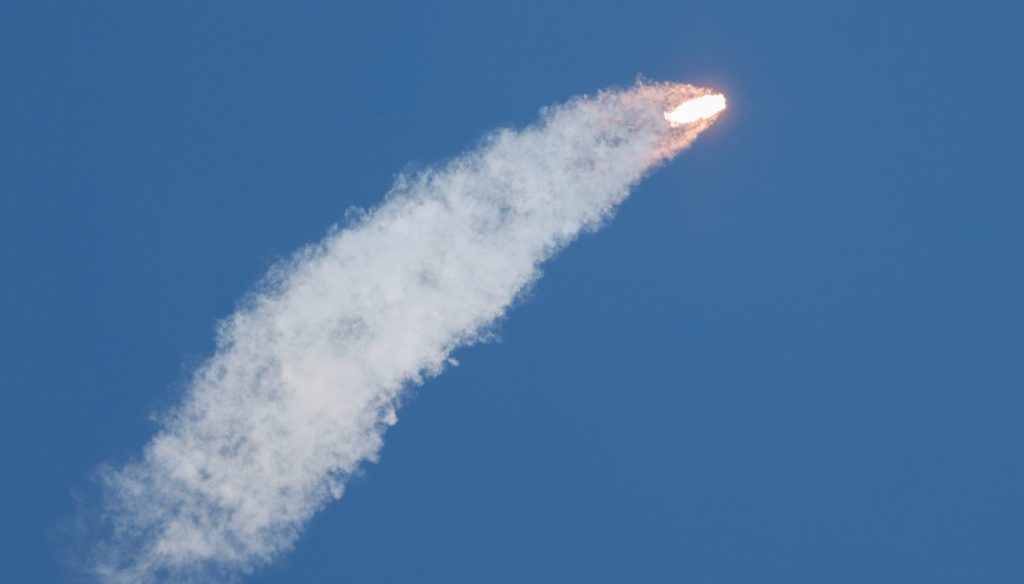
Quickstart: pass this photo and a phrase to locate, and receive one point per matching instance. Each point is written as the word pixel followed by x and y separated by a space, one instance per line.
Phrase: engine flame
pixel 696 109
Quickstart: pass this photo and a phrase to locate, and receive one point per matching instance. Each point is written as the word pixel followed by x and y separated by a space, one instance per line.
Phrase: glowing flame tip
pixel 696 109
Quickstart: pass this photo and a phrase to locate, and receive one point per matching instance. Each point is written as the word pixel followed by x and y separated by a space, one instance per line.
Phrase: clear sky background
pixel 794 356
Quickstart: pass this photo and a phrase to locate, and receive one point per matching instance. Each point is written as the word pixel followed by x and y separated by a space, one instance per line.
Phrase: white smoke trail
pixel 308 372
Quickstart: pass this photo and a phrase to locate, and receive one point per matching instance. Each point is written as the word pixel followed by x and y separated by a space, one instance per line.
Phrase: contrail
pixel 309 370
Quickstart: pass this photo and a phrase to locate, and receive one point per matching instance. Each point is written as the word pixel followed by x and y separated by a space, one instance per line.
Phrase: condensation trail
pixel 309 370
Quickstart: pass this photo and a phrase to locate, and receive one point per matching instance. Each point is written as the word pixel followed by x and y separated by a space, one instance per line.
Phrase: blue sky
pixel 794 356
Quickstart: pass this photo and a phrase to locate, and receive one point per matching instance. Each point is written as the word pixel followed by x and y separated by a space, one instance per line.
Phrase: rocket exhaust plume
pixel 309 370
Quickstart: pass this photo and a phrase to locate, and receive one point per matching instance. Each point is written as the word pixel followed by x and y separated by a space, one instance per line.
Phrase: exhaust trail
pixel 309 370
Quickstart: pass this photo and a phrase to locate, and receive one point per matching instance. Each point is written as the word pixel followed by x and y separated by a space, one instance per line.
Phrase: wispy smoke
pixel 309 370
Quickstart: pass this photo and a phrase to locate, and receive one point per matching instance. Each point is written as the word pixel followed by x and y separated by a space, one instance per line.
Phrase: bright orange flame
pixel 696 109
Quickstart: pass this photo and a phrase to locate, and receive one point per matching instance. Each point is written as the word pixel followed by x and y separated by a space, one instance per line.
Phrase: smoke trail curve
pixel 308 371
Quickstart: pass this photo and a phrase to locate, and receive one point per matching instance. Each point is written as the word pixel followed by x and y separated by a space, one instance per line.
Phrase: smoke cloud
pixel 309 370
